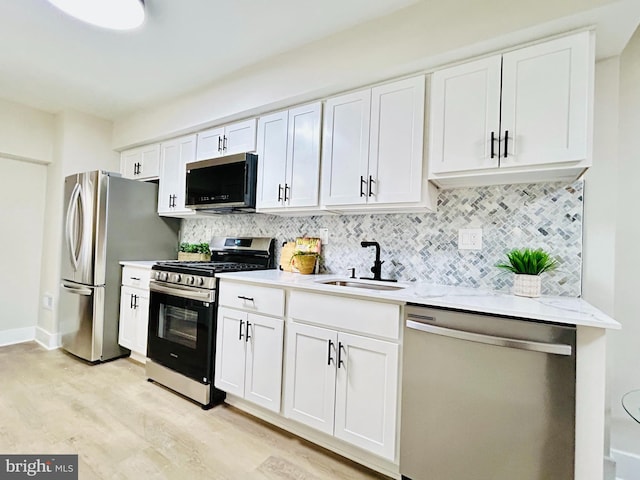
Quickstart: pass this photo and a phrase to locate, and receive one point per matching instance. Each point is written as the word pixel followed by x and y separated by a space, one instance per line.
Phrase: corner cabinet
pixel 174 155
pixel 234 138
pixel 373 145
pixel 341 382
pixel 521 116
pixel 289 160
pixel 248 360
pixel 134 310
pixel 142 163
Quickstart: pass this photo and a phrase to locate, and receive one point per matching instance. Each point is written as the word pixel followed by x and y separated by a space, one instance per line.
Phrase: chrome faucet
pixel 377 264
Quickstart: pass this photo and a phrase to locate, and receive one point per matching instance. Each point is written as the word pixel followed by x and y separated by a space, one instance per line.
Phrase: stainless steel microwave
pixel 223 184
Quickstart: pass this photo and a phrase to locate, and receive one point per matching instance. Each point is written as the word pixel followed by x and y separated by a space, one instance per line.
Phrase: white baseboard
pixel 627 465
pixel 17 335
pixel 50 341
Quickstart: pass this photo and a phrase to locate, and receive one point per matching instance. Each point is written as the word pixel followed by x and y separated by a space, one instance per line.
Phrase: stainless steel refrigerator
pixel 107 218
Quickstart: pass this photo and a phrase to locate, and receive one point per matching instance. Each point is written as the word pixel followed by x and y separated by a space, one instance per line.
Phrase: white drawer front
pixel 136 276
pixel 265 300
pixel 343 313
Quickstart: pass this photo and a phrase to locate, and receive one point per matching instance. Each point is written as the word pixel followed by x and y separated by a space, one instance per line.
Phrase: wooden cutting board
pixel 285 256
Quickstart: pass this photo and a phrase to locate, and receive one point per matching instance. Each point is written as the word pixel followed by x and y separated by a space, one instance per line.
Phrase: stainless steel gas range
pixel 182 315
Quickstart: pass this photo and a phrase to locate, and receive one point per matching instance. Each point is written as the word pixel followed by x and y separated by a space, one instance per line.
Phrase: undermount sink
pixel 367 285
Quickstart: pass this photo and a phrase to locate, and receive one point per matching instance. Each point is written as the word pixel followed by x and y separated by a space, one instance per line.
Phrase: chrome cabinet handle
pixel 219 144
pixel 371 182
pixel 248 299
pixel 247 336
pixel 240 330
pixel 286 192
pixel 553 348
pixel 279 192
pixel 224 143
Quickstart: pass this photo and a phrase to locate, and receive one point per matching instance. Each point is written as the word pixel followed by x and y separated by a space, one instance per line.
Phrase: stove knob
pixel 200 282
pixel 162 276
pixel 176 278
pixel 191 280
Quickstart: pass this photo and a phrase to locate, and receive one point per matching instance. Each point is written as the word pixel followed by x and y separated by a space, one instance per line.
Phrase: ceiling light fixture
pixel 113 14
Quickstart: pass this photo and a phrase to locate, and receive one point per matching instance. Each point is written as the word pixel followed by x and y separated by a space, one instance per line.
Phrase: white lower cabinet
pixel 249 357
pixel 343 384
pixel 134 310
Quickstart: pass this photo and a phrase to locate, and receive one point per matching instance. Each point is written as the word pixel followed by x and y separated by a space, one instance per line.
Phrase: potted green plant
pixel 527 265
pixel 194 252
pixel 304 262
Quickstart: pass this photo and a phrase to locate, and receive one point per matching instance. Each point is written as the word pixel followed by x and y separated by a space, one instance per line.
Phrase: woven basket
pixel 304 263
pixel 193 257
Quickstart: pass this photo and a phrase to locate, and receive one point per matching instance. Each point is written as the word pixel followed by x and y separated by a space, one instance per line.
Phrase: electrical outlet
pixel 324 236
pixel 470 239
pixel 47 301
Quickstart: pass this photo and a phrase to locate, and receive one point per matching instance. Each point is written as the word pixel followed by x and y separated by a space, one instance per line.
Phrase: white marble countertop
pixel 141 263
pixel 564 310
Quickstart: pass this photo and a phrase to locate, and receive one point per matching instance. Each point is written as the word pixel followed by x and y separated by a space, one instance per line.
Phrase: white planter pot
pixel 527 285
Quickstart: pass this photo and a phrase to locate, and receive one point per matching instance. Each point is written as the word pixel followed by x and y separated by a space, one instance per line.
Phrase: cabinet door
pixel 141 314
pixel 210 143
pixel 396 145
pixel 171 192
pixel 311 375
pixel 465 114
pixel 303 156
pixel 127 325
pixel 230 351
pixel 141 163
pixel 345 149
pixel 367 393
pixel 239 137
pixel 545 102
pixel 263 374
pixel 272 159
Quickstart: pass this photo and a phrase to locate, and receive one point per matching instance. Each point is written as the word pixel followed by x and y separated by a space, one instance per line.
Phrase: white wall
pixel 25 133
pixel 611 233
pixel 82 143
pixel 22 199
pixel 410 40
pixel 624 346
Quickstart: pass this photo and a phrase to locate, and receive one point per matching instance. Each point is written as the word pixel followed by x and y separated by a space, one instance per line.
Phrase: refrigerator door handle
pixel 74 225
pixel 86 291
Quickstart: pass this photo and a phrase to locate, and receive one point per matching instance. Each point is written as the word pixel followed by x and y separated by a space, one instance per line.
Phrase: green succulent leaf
pixel 528 262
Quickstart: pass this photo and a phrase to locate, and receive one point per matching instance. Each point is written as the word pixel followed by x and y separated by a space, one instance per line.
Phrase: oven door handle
pixel 182 292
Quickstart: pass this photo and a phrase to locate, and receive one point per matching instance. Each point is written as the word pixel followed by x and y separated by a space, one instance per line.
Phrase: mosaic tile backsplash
pixel 424 247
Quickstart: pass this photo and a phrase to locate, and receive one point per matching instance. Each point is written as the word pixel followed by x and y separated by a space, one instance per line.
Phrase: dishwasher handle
pixel 553 348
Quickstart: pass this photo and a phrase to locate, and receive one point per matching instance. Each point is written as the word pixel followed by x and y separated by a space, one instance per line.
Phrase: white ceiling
pixel 53 62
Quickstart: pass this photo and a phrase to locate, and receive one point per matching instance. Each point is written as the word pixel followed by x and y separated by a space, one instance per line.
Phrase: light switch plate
pixel 470 239
pixel 324 236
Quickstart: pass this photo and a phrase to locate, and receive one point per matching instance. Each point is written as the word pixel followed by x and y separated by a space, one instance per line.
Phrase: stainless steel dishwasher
pixel 486 398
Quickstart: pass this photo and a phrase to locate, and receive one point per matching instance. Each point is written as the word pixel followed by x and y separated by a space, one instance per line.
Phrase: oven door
pixel 181 329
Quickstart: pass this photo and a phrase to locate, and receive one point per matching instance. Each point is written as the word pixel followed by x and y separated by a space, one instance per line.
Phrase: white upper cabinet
pixel 521 116
pixel 141 163
pixel 465 116
pixel 345 151
pixel 234 138
pixel 175 154
pixel 372 158
pixel 289 160
pixel 396 142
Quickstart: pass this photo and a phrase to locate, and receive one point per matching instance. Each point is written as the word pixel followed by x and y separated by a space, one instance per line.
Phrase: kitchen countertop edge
pixel 562 310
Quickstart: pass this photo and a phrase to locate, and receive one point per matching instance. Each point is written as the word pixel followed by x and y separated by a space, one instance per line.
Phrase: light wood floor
pixel 123 427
